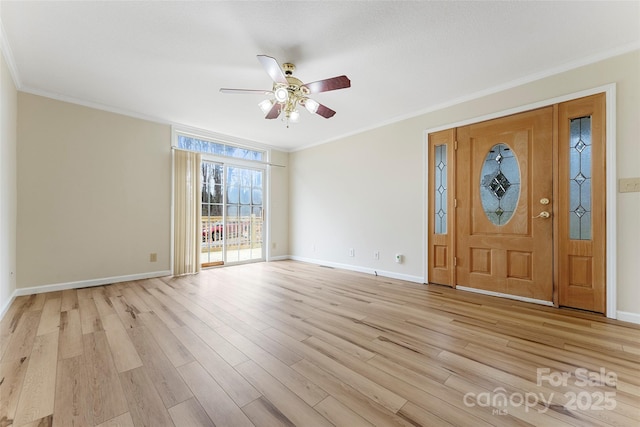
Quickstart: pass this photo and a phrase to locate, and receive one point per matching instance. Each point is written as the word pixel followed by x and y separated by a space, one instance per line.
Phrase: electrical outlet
pixel 352 252
pixel 376 255
pixel 153 257
pixel 629 185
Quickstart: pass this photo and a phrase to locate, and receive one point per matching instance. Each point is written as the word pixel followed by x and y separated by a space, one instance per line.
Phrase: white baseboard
pixel 626 316
pixel 360 269
pixel 621 315
pixel 8 304
pixel 89 283
pixel 501 295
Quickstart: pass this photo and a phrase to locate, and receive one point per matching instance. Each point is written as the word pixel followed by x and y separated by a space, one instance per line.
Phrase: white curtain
pixel 187 215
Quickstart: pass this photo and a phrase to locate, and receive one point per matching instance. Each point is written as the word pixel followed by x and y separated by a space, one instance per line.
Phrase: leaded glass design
pixel 580 179
pixel 440 189
pixel 500 184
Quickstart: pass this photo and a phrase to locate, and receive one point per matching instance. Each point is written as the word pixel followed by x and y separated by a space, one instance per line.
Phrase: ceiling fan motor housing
pixel 288 69
pixel 297 92
pixel 295 84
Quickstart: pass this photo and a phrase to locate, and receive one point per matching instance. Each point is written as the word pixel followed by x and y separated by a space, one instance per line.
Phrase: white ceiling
pixel 167 60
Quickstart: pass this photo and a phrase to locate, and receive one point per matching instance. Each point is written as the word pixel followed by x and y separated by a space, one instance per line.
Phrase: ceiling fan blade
pixel 246 91
pixel 334 83
pixel 272 68
pixel 325 112
pixel 274 112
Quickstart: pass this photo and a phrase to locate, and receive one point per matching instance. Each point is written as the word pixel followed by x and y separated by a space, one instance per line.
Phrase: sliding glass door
pixel 232 214
pixel 212 214
pixel 244 214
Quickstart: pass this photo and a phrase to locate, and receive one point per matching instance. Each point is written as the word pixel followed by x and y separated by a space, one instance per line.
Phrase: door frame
pixel 226 163
pixel 611 189
pixel 264 165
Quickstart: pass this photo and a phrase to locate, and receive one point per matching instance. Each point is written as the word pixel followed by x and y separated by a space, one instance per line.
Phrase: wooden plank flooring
pixel 293 344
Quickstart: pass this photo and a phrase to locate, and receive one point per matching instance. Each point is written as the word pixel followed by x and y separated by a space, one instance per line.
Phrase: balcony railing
pixel 238 233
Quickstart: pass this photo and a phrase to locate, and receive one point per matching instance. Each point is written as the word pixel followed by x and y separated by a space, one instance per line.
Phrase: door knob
pixel 543 214
pixel 545 201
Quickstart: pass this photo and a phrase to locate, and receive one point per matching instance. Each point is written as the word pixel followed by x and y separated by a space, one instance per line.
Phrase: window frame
pixel 226 161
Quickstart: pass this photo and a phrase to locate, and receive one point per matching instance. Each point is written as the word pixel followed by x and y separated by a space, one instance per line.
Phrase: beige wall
pixel 366 191
pixel 279 205
pixel 94 193
pixel 8 185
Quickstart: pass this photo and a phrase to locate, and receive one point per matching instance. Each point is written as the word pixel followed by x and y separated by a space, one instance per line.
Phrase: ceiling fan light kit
pixel 281 94
pixel 289 92
pixel 266 105
pixel 311 105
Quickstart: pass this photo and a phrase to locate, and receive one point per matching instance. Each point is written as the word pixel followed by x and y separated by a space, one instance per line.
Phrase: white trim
pixel 8 304
pixel 621 50
pixel 172 239
pixel 89 283
pixel 7 53
pixel 508 296
pixel 217 137
pixel 425 209
pixel 95 105
pixel 359 269
pixel 232 161
pixel 611 171
pixel 225 161
pixel 611 204
pixel 266 214
pixel 489 91
pixel 243 143
pixel 626 316
pixel 528 107
pixel 246 143
pixel 476 95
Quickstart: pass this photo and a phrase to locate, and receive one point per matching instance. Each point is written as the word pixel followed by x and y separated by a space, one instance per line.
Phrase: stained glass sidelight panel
pixel 440 189
pixel 500 184
pixel 580 178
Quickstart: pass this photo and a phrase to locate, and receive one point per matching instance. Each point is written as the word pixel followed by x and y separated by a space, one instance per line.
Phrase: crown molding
pixel 7 54
pixel 568 66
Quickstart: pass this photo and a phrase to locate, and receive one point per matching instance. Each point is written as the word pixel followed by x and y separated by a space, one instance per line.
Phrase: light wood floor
pixel 288 343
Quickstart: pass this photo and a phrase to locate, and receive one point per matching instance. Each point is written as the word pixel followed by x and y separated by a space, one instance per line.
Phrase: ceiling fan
pixel 289 92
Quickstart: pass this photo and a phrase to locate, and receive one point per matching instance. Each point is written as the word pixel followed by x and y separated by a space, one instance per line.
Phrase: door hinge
pixel 455 144
pixel 455 203
pixel 455 261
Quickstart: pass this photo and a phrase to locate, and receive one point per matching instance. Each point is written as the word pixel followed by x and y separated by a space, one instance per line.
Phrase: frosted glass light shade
pixel 311 105
pixel 265 105
pixel 281 94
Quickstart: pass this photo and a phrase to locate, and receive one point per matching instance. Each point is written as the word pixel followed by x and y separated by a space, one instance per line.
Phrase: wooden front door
pixel 582 186
pixel 504 198
pixel 517 205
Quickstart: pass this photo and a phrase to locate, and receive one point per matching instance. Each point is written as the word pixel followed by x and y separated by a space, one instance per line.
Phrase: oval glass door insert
pixel 500 184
